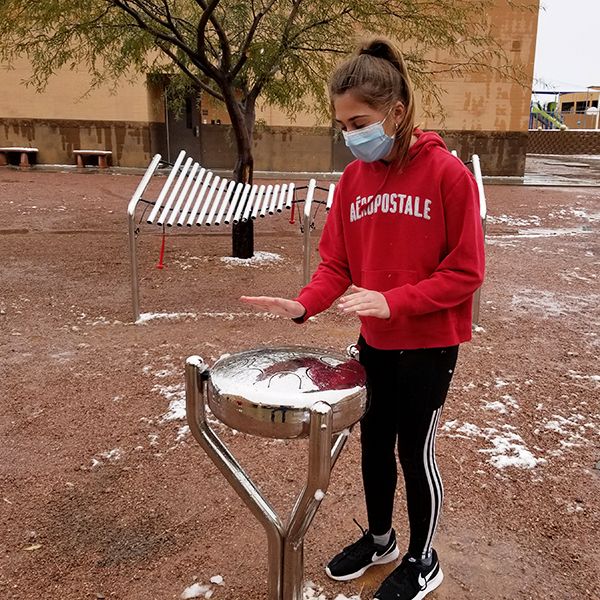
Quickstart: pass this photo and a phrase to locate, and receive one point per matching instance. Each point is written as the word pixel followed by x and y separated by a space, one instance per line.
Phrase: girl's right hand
pixel 276 306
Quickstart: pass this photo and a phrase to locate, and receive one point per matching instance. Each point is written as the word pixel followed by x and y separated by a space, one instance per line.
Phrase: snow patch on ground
pixel 145 317
pixel 175 394
pixel 583 214
pixel 577 376
pixel 495 406
pixel 313 592
pixel 230 316
pixel 503 239
pixel 514 221
pixel 575 275
pixel 509 448
pixel 573 430
pixel 109 456
pixel 101 320
pixel 551 304
pixel 260 258
pixel 197 590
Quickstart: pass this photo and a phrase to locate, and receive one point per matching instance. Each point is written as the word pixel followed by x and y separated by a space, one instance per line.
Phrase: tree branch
pixel 249 37
pixel 266 75
pixel 208 15
pixel 204 66
pixel 189 73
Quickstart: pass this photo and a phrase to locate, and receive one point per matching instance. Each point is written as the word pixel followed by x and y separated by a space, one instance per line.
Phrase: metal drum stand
pixel 282 393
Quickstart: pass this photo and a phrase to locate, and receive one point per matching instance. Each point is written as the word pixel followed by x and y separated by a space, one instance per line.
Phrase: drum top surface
pixel 295 377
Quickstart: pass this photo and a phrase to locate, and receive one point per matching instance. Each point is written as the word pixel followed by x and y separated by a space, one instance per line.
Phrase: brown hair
pixel 376 73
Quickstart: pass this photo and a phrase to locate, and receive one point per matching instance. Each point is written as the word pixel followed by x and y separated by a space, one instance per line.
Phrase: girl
pixel 404 239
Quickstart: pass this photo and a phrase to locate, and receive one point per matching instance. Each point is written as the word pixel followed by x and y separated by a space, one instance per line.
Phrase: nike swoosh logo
pixel 378 556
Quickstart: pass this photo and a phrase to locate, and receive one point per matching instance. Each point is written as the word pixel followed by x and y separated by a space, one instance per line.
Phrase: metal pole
pixel 167 126
pixel 196 376
pixel 137 195
pixel 306 224
pixel 319 470
pixel 483 216
pixel 135 286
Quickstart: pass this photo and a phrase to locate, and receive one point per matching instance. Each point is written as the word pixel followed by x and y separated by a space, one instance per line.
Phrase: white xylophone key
pixel 330 196
pixel 261 191
pixel 180 198
pixel 266 199
pixel 166 187
pixel 179 185
pixel 249 204
pixel 230 188
pixel 241 203
pixel 199 199
pixel 215 204
pixel 208 200
pixel 191 197
pixel 310 192
pixel 274 198
pixel 290 196
pixel 282 197
pixel 238 190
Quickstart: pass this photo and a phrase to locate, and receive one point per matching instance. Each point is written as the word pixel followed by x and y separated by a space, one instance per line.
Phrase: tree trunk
pixel 242 120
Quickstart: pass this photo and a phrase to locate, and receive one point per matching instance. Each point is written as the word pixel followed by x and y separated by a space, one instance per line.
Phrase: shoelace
pixel 363 531
pixel 358 547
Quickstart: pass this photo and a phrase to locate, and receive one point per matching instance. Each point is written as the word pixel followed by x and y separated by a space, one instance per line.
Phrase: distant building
pixel 579 110
pixel 484 114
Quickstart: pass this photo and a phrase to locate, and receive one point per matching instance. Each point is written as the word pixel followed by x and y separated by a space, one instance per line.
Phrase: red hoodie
pixel 416 236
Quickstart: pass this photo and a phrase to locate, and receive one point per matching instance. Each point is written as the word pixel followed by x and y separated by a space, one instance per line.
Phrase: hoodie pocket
pixel 382 280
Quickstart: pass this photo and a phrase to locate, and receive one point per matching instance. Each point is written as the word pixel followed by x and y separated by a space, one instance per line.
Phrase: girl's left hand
pixel 365 303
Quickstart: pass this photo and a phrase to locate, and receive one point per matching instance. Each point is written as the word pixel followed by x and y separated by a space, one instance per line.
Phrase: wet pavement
pixel 555 170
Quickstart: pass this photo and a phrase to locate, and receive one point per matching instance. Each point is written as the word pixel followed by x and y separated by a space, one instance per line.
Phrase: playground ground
pixel 104 494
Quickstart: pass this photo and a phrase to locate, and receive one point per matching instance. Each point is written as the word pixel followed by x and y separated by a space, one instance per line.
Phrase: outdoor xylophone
pixel 192 195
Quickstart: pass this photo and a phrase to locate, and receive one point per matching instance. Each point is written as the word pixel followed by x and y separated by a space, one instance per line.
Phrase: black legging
pixel 406 393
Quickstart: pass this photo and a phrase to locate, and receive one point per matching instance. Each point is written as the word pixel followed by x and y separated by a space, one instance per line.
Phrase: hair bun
pixel 381 48
pixel 376 48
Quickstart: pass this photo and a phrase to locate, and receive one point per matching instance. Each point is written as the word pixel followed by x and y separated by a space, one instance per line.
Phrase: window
pixel 567 106
pixel 581 106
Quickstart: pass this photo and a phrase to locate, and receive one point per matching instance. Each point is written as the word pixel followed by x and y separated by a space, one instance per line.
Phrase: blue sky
pixel 568 45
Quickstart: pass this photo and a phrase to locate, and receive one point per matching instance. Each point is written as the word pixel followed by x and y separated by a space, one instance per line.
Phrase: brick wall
pixel 553 141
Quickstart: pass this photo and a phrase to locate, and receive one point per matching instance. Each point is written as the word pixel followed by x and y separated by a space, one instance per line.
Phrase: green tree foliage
pixel 280 51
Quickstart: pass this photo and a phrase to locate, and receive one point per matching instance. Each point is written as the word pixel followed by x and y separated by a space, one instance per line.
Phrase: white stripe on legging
pixel 433 479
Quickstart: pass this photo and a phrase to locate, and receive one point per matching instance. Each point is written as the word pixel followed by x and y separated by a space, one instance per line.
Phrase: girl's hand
pixel 276 306
pixel 365 303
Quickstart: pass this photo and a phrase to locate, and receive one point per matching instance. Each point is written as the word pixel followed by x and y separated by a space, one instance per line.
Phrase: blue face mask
pixel 370 143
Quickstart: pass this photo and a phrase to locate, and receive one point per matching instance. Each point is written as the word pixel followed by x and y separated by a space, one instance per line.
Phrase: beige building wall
pixel 68 96
pixel 485 101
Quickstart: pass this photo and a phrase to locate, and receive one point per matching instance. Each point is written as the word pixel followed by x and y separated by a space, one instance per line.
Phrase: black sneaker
pixel 355 559
pixel 412 580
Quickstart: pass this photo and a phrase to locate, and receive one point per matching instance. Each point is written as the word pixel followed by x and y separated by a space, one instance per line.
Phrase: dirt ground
pixel 103 492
